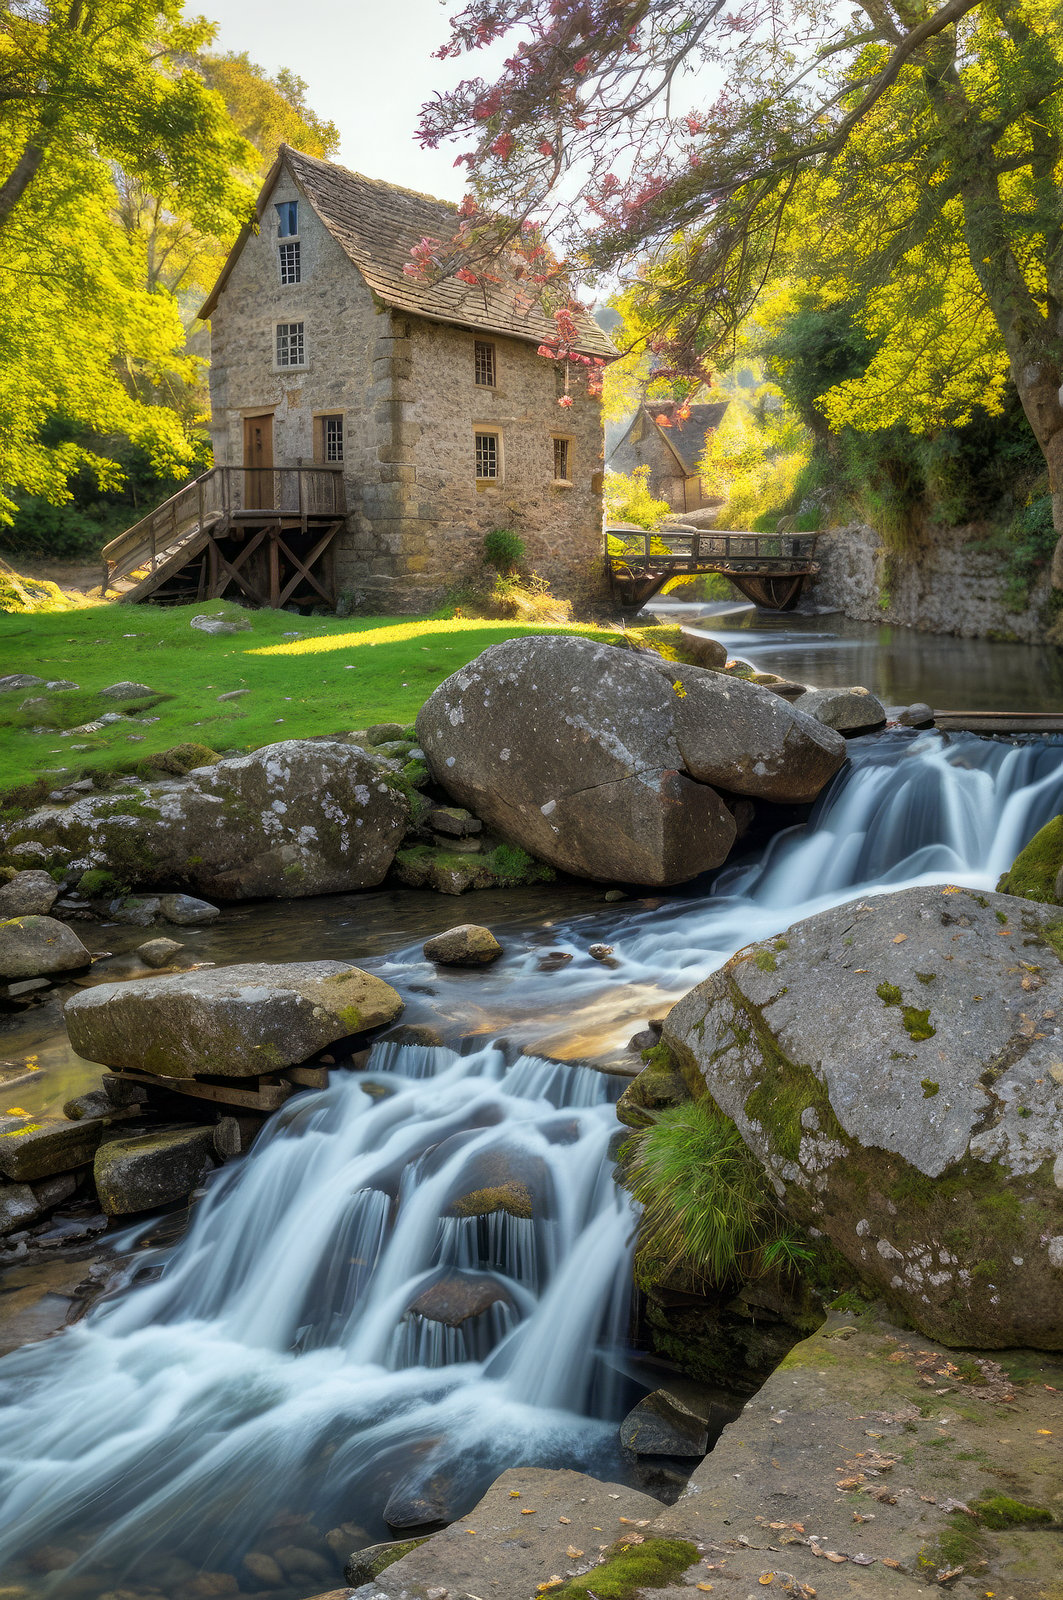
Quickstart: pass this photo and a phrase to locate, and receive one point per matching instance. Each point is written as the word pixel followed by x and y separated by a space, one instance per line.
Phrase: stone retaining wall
pixel 950 586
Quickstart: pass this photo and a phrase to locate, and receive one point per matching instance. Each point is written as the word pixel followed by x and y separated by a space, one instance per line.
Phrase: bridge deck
pixel 768 568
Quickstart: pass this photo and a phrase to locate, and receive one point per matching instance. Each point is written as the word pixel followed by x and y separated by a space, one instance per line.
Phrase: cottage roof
pixel 687 437
pixel 377 224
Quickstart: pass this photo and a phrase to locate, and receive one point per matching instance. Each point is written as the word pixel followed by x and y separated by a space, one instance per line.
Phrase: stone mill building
pixel 430 399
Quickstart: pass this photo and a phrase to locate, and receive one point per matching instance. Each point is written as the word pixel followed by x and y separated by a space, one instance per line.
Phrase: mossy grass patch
pixel 630 1568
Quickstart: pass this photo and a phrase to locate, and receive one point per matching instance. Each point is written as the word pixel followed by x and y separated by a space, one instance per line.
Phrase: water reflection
pixel 900 665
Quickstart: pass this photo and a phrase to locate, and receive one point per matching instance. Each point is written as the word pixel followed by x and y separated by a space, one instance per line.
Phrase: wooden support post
pixel 274 570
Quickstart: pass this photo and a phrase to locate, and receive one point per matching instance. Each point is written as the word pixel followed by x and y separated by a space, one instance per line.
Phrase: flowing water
pixel 267 1379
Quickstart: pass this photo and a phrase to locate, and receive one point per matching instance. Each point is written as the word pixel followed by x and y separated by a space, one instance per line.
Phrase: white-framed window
pixel 330 439
pixel 484 363
pixel 562 459
pixel 287 219
pixel 488 457
pixel 291 263
pixel 291 344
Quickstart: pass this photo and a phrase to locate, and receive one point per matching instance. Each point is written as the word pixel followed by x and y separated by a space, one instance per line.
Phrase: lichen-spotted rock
pixel 601 761
pixel 299 818
pixel 897 1065
pixel 231 1022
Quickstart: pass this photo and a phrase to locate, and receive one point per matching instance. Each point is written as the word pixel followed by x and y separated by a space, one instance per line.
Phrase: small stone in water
pixel 600 951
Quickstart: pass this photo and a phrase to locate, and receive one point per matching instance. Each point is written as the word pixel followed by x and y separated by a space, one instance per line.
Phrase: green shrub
pixel 628 499
pixel 503 550
pixel 705 1200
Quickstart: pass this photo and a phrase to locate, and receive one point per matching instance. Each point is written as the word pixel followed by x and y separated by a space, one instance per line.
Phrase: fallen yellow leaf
pixel 766 1577
pixel 526 1511
pixel 950 888
pixel 565 1520
pixel 514 1494
pixel 572 1553
pixel 704 1587
pixel 470 1530
pixel 900 938
pixel 1044 1430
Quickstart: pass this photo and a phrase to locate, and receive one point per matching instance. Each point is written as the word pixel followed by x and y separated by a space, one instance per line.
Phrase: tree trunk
pixel 1038 386
pixel 19 179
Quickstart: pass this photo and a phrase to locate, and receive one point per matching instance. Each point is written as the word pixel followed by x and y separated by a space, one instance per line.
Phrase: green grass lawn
pixel 337 674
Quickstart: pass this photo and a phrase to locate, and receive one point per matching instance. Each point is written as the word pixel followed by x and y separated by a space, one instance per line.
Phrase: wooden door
pixel 258 455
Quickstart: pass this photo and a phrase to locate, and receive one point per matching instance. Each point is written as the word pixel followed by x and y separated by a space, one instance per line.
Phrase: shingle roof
pixel 687 438
pixel 376 225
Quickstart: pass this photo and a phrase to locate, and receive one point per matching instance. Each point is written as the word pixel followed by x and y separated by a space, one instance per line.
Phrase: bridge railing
pixel 714 548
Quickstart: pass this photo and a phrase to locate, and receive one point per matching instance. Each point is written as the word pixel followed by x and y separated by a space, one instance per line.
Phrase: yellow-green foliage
pixel 20 595
pixel 1034 872
pixel 755 456
pixel 628 499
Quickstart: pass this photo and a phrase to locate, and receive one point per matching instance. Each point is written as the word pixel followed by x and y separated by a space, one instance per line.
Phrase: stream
pixel 256 1394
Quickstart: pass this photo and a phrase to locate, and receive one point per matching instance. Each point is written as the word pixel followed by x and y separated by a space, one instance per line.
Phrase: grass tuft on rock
pixel 628 1569
pixel 705 1200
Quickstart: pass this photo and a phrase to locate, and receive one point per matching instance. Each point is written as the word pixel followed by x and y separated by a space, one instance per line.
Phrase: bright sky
pixel 369 67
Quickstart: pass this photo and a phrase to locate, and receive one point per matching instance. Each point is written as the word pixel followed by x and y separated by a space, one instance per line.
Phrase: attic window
pixel 287 219
pixel 484 364
pixel 290 344
pixel 487 455
pixel 291 265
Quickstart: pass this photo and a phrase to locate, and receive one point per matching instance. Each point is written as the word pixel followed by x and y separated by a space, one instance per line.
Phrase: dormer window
pixel 291 265
pixel 287 219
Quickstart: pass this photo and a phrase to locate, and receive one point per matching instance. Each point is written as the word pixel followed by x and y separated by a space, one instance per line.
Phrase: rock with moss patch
pixel 448 871
pixel 152 1169
pixel 31 1148
pixel 521 1553
pixel 467 945
pixel 182 758
pixel 28 894
pixel 34 947
pixel 376 1558
pixel 602 761
pixel 303 817
pixel 659 1085
pixel 231 1022
pixel 1037 871
pixel 894 1063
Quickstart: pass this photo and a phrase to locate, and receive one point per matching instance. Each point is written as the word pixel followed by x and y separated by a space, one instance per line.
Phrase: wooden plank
pixel 267 1096
pixel 999 721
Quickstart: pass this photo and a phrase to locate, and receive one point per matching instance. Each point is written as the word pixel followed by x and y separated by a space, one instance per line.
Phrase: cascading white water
pixel 271 1381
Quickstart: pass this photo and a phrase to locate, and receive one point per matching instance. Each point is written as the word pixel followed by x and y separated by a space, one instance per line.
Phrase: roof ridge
pixel 363 177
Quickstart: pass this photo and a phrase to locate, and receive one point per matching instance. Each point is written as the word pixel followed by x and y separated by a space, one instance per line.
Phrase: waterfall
pixel 419 1275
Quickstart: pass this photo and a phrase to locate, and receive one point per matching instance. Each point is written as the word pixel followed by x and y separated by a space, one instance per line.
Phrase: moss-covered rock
pixel 659 1085
pixel 152 1169
pixel 452 872
pixel 895 1070
pixel 231 1022
pixel 1037 872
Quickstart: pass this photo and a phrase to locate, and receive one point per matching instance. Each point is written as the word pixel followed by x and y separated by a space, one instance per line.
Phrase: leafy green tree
pixel 917 147
pixel 91 342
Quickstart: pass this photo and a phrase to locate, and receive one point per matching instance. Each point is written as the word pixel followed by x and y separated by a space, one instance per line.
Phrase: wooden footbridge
pixel 768 568
pixel 263 535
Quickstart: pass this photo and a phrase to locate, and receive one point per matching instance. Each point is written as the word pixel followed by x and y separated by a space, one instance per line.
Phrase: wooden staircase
pixel 263 535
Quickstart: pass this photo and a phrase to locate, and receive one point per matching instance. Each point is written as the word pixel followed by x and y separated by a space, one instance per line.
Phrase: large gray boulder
pixel 28 894
pixel 600 760
pixel 850 711
pixel 897 1066
pixel 233 1022
pixel 35 947
pixel 299 818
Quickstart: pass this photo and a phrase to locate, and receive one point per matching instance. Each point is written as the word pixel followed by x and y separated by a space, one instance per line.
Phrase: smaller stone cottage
pixel 672 448
pixel 429 398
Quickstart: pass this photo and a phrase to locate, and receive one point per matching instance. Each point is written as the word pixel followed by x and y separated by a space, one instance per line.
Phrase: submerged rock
pixel 467 945
pixel 34 947
pixel 28 894
pixel 894 1063
pixel 152 1169
pixel 600 760
pixel 300 818
pixel 232 1022
pixel 457 1296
